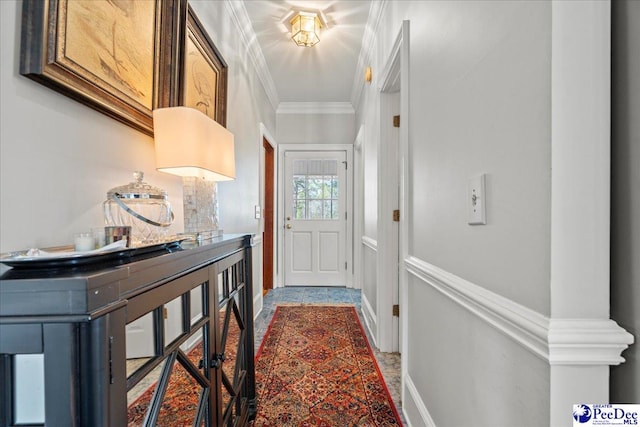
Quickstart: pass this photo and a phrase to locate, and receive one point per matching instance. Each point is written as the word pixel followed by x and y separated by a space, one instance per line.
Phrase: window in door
pixel 315 189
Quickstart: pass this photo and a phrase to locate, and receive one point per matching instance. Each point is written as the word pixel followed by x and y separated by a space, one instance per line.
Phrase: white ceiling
pixel 324 73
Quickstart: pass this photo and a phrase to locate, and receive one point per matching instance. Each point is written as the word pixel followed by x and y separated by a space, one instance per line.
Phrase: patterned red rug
pixel 315 368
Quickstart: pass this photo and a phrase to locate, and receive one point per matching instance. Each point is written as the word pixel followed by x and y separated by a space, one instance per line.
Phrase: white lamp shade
pixel 190 143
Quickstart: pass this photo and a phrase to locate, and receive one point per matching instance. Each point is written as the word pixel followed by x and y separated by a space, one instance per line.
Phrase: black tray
pixel 75 259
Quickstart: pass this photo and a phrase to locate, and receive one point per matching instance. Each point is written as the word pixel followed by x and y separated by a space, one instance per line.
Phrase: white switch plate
pixel 476 200
pixel 258 212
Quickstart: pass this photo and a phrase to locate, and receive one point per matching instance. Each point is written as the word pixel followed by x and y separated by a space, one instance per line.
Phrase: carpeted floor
pixel 315 368
pixel 389 363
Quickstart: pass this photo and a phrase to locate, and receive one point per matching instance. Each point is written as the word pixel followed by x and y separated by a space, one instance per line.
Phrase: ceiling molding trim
pixel 368 39
pixel 241 19
pixel 315 108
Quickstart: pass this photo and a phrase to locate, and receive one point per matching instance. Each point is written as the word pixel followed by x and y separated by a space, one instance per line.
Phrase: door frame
pixel 268 215
pixel 358 207
pixel 265 135
pixel 391 334
pixel 282 148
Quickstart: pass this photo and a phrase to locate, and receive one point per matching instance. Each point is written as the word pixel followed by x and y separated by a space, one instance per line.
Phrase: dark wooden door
pixel 267 236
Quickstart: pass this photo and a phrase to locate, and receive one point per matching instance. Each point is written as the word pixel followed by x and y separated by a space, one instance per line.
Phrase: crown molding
pixel 368 39
pixel 241 19
pixel 315 108
pixel 559 341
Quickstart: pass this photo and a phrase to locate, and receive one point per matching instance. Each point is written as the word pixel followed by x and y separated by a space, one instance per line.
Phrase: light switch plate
pixel 476 200
pixel 258 212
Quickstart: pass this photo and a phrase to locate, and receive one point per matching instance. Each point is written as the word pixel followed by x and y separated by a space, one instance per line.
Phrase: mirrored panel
pixel 139 342
pixel 180 403
pixel 233 272
pixel 221 287
pixel 195 297
pixel 193 347
pixel 139 397
pixel 232 334
pixel 28 380
pixel 173 327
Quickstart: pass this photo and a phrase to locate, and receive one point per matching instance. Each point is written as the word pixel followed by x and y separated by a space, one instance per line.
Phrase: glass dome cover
pixel 138 189
pixel 143 207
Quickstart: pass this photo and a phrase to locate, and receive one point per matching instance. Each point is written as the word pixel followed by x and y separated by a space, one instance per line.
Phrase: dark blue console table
pixel 77 319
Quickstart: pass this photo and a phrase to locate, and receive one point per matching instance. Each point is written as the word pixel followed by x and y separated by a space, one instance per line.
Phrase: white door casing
pixel 315 211
pixel 393 238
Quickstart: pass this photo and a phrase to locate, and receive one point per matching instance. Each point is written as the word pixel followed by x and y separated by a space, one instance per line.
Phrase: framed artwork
pixel 114 56
pixel 204 73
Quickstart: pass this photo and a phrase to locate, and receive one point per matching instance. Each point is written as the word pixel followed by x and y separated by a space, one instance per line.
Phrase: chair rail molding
pixel 586 342
pixel 558 341
pixel 370 243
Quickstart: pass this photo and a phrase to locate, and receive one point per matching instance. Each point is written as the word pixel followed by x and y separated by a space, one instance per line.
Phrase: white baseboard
pixel 413 395
pixel 258 304
pixel 370 319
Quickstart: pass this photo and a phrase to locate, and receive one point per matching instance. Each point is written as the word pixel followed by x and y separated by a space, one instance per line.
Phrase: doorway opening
pixel 393 208
pixel 268 232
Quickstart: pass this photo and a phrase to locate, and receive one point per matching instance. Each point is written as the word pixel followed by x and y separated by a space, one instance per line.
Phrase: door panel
pixel 302 255
pixel 329 250
pixel 315 223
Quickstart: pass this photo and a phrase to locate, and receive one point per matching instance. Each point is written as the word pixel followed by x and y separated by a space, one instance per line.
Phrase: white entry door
pixel 315 218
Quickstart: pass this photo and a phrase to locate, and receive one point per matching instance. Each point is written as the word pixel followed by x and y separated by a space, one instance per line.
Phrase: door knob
pixel 288 226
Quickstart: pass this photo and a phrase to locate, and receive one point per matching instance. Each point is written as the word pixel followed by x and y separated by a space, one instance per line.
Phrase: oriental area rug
pixel 315 368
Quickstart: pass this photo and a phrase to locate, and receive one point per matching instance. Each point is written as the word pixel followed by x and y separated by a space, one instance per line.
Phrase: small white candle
pixel 98 236
pixel 83 242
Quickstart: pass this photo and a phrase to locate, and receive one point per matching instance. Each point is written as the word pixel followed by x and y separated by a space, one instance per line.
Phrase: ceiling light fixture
pixel 305 29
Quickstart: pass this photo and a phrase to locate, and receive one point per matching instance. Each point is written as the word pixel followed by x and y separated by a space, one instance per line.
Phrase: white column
pixel 583 342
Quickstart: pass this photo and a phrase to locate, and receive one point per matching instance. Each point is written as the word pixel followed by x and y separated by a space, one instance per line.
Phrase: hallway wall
pixel 58 157
pixel 315 128
pixel 483 95
pixel 369 241
pixel 479 102
pixel 625 192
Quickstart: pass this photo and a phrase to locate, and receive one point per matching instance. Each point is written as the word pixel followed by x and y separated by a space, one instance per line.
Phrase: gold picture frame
pixel 115 57
pixel 203 83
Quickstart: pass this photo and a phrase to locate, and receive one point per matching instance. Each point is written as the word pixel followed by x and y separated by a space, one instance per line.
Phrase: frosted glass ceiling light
pixel 305 29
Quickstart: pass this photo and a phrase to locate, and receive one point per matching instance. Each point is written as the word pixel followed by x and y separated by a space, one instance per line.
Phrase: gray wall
pixel 314 128
pixel 625 193
pixel 59 157
pixel 479 102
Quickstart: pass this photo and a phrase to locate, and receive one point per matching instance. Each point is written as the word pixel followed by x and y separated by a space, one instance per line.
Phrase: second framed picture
pixel 203 83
